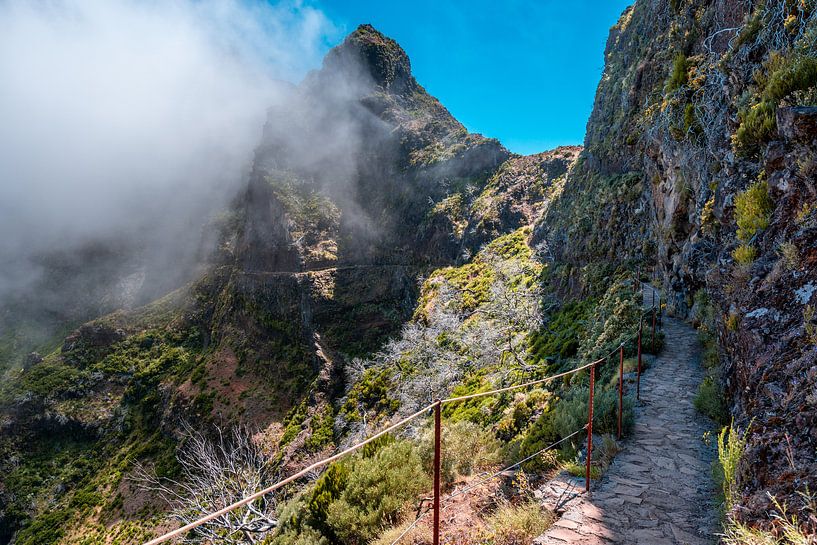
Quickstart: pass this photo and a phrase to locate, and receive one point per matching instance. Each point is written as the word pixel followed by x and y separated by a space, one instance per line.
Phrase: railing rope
pixel 251 498
pixel 446 501
pixel 436 407
pixel 519 386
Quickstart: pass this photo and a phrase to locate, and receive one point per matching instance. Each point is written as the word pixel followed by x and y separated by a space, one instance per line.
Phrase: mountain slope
pixel 361 184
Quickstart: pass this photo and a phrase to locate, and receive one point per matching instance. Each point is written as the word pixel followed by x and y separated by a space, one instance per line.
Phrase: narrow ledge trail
pixel 659 489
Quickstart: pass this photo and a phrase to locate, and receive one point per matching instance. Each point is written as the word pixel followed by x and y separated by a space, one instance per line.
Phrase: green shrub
pixel 51 376
pixel 571 412
pixel 788 529
pixel 46 529
pixel 514 421
pixel 560 337
pixel 780 77
pixel 753 209
pixel 328 488
pixel 757 125
pixel 542 433
pixel 377 490
pixel 372 393
pixel 480 410
pixel 306 536
pixel 788 75
pixel 690 119
pixel 322 429
pixel 465 446
pixel 744 254
pixel 710 357
pixel 750 30
pixel 708 220
pixel 578 469
pixel 790 255
pixel 647 345
pixel 515 524
pixel 512 246
pixel 709 400
pixel 614 321
pixel 680 73
pixel 517 417
pixel 731 444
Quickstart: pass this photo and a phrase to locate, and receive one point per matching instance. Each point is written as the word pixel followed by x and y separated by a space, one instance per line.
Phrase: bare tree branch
pixel 215 473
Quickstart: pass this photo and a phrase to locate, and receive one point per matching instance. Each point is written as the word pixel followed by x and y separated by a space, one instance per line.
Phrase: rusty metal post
pixel 660 316
pixel 620 388
pixel 653 332
pixel 437 454
pixel 590 428
pixel 638 372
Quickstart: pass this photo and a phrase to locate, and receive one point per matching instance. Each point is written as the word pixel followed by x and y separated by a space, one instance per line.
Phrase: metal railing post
pixel 620 388
pixel 590 428
pixel 638 372
pixel 660 315
pixel 437 454
pixel 653 332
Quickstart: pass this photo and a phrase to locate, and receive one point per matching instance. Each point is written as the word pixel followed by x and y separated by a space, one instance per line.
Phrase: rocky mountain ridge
pixel 699 158
pixel 362 183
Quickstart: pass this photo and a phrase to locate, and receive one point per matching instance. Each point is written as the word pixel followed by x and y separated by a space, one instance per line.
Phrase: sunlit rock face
pixel 699 101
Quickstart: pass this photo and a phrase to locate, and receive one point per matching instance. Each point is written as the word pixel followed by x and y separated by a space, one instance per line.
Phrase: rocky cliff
pixel 700 159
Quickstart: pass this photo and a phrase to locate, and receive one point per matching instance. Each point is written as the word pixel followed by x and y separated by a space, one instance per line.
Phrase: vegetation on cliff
pixel 713 104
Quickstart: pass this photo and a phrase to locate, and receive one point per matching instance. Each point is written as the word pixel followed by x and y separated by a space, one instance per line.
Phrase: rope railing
pixel 494 475
pixel 436 408
pixel 497 473
pixel 249 499
pixel 519 386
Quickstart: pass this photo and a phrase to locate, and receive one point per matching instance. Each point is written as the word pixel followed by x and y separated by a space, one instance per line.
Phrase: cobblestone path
pixel 659 489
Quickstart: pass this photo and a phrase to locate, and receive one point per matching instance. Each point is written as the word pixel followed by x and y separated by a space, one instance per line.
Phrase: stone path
pixel 659 489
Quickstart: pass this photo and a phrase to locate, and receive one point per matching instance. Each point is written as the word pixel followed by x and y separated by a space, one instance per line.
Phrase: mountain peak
pixel 377 55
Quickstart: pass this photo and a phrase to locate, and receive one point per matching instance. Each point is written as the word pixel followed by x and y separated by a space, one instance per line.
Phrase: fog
pixel 126 120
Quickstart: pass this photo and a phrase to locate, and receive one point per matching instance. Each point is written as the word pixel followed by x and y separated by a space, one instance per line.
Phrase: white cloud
pixel 118 115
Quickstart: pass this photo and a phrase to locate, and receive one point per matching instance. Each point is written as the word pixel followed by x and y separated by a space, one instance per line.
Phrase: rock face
pixel 700 101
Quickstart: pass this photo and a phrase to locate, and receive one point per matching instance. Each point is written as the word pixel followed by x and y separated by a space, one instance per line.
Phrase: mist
pixel 131 122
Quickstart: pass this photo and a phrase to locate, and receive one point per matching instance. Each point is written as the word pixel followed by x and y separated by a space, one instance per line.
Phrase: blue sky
pixel 523 72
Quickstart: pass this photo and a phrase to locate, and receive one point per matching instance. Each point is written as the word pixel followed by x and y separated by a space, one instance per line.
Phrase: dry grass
pixel 419 535
pixel 517 524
